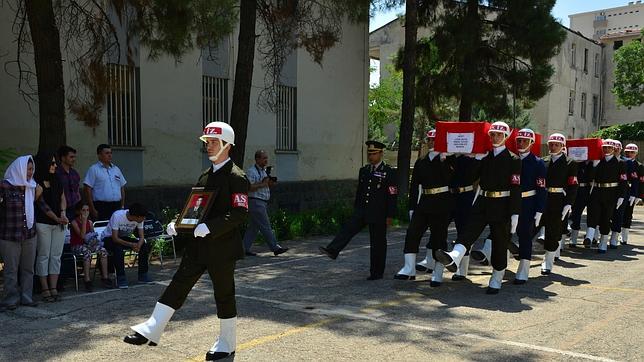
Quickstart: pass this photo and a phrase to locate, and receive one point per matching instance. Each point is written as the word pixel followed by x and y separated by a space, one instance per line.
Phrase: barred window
pixel 215 99
pixel 123 106
pixel 286 118
pixel 583 105
pixel 571 103
pixel 595 108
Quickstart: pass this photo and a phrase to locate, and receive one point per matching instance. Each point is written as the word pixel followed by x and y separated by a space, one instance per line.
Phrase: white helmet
pixel 631 147
pixel 500 127
pixel 528 134
pixel 608 143
pixel 557 137
pixel 220 130
pixel 618 144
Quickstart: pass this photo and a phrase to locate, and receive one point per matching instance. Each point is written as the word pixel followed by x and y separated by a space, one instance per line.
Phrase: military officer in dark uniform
pixel 618 215
pixel 609 177
pixel 215 247
pixel 433 173
pixel 634 174
pixel 561 182
pixel 497 205
pixel 584 171
pixel 375 205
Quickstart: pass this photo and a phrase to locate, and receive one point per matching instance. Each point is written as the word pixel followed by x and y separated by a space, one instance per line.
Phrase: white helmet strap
pixel 221 150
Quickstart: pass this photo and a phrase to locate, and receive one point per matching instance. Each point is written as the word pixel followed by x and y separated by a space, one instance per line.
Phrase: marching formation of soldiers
pixel 520 194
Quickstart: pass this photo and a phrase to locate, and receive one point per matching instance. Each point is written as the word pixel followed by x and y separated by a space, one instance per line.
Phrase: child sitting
pixel 84 241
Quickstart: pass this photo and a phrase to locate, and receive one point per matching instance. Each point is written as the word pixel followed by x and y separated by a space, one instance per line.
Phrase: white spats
pixel 590 233
pixel 613 238
pixel 408 269
pixel 574 237
pixel 463 266
pixel 603 243
pixel 437 274
pixel 427 265
pixel 548 262
pixel 625 232
pixel 496 280
pixel 227 341
pixel 483 254
pixel 154 326
pixel 523 270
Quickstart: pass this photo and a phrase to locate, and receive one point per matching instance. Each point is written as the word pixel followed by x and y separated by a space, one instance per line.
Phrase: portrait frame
pixel 187 220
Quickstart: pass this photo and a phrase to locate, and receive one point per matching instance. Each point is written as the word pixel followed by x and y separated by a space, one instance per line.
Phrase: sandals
pixel 46 296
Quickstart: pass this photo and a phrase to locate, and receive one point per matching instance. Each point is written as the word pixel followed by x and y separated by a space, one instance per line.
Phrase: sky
pixel 561 10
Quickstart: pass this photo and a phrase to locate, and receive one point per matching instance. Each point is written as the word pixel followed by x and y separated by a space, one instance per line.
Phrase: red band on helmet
pixel 212 130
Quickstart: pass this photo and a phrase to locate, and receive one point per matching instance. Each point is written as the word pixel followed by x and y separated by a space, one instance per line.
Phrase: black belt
pixel 257 198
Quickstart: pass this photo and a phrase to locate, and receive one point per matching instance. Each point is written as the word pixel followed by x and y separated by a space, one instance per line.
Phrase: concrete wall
pixel 331 114
pixel 618 18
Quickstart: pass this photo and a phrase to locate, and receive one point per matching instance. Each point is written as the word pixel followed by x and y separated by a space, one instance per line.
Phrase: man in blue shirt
pixel 104 185
pixel 258 196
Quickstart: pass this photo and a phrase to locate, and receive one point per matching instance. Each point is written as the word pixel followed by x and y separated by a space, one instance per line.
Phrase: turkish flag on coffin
pixel 511 143
pixel 462 137
pixel 584 149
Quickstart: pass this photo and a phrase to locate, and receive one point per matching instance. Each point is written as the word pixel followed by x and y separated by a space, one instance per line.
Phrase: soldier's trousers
pixel 420 221
pixel 618 216
pixel 526 228
pixel 461 213
pixel 628 215
pixel 600 208
pixel 552 221
pixel 189 272
pixel 377 240
pixel 499 233
pixel 581 201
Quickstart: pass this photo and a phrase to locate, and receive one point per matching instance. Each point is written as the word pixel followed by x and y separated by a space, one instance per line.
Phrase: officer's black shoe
pixel 492 291
pixel 586 243
pixel 545 272
pixel 374 277
pixel 280 250
pixel 612 246
pixel 444 258
pixel 434 284
pixel 556 258
pixel 215 356
pixel 404 277
pixel 328 252
pixel 457 277
pixel 600 251
pixel 137 339
pixel 422 268
pixel 519 282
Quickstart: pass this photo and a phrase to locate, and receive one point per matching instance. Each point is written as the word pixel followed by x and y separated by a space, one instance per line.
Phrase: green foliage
pixel 629 74
pixel 323 221
pixel 7 156
pixel 631 132
pixel 385 103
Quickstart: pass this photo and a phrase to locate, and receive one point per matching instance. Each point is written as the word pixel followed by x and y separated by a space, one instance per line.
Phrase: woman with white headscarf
pixel 18 192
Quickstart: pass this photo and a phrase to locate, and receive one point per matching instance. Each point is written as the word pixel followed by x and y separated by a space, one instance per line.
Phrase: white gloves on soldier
pixel 565 212
pixel 595 163
pixel 411 213
pixel 170 230
pixel 620 201
pixel 480 156
pixel 514 222
pixel 201 230
pixel 537 219
pixel 632 200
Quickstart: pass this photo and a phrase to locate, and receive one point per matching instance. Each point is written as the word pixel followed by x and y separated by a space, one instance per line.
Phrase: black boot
pixel 215 356
pixel 137 339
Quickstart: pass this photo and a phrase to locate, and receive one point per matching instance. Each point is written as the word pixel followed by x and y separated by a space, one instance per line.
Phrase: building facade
pixel 156 110
pixel 596 24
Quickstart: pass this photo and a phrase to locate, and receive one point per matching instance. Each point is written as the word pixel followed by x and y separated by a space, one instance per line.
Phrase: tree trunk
pixel 49 73
pixel 243 78
pixel 468 71
pixel 408 101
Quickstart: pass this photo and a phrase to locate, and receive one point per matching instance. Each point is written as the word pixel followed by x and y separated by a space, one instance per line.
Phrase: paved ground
pixel 302 306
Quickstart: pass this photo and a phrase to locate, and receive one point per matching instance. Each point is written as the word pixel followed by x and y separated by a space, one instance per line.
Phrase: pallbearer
pixel 633 168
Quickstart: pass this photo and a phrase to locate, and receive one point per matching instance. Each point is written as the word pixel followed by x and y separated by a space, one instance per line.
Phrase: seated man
pixel 117 236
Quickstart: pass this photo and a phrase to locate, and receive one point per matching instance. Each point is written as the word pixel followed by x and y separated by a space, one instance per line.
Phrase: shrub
pixel 630 131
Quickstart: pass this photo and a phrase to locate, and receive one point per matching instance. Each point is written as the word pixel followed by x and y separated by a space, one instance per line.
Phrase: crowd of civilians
pixel 42 209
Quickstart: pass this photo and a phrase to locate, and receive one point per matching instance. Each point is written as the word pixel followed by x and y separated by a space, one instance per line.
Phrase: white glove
pixel 480 156
pixel 514 222
pixel 443 156
pixel 411 213
pixel 631 200
pixel 537 219
pixel 201 230
pixel 620 201
pixel 566 211
pixel 595 163
pixel 170 230
pixel 637 201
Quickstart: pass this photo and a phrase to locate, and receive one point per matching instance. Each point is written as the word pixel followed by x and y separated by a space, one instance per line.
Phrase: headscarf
pixel 16 175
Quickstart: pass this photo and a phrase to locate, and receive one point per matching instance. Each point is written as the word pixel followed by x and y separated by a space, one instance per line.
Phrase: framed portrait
pixel 196 208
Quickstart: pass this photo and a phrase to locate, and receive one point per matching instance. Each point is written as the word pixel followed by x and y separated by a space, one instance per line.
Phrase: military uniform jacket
pixel 430 174
pixel 584 173
pixel 640 172
pixel 466 171
pixel 633 176
pixel 500 173
pixel 227 213
pixel 613 171
pixel 533 177
pixel 377 193
pixel 562 173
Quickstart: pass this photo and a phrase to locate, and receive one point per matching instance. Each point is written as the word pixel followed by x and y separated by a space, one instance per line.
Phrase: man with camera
pixel 260 183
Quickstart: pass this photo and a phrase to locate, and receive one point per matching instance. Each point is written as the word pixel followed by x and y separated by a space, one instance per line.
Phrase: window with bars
pixel 123 106
pixel 583 106
pixel 571 103
pixel 586 60
pixel 597 65
pixel 573 55
pixel 286 118
pixel 595 108
pixel 215 99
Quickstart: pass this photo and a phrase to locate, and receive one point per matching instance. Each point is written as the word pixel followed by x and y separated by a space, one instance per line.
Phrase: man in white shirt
pixel 117 237
pixel 104 185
